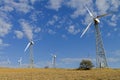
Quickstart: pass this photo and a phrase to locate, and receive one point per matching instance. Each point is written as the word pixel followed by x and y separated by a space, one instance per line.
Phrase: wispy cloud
pixel 19 34
pixel 52 22
pixel 55 4
pixel 117 53
pixel 73 60
pixel 102 5
pixel 35 14
pixel 64 36
pixel 5 27
pixel 2 44
pixel 50 31
pixel 79 7
pixel 71 29
pixel 21 6
pixel 37 29
pixel 27 28
pixel 113 60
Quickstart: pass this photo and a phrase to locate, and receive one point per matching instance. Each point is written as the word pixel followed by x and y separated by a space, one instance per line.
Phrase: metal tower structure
pixel 30 46
pixel 31 65
pixel 54 61
pixel 101 61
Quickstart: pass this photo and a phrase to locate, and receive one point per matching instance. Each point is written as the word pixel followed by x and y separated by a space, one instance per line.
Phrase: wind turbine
pixel 101 61
pixel 20 61
pixel 54 61
pixel 8 61
pixel 30 46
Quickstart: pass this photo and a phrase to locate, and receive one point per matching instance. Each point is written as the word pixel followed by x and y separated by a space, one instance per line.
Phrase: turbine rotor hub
pixel 96 20
pixel 31 42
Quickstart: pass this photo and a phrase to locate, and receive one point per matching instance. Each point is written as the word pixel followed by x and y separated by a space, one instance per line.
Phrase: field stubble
pixel 59 74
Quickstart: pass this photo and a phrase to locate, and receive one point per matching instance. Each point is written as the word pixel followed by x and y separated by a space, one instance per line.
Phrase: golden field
pixel 59 74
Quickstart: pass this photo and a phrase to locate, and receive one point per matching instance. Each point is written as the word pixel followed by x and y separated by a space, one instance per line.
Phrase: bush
pixel 86 65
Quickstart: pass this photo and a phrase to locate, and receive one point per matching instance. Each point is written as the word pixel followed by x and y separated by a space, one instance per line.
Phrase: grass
pixel 59 74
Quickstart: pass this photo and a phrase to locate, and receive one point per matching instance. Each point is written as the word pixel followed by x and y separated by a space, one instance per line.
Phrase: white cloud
pixel 64 36
pixel 55 4
pixel 50 31
pixel 27 28
pixel 71 29
pixel 19 34
pixel 115 4
pixel 2 45
pixel 108 34
pixel 5 62
pixel 22 5
pixel 114 17
pixel 34 16
pixel 79 6
pixel 5 27
pixel 114 56
pixel 113 60
pixel 37 30
pixel 117 52
pixel 7 8
pixel 102 5
pixel 73 60
pixel 115 29
pixel 112 23
pixel 106 6
pixel 53 20
pixel 33 1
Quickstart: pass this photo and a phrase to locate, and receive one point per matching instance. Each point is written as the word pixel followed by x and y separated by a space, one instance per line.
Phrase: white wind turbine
pixel 100 52
pixel 20 61
pixel 54 60
pixel 30 46
pixel 8 61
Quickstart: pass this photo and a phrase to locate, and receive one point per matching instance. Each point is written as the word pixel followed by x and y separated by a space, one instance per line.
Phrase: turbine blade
pixel 89 12
pixel 102 15
pixel 28 45
pixel 86 29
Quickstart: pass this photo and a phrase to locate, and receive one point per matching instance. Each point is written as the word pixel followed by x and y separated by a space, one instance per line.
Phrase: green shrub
pixel 85 65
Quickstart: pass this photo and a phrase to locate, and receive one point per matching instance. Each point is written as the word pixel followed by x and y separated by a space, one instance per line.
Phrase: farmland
pixel 59 74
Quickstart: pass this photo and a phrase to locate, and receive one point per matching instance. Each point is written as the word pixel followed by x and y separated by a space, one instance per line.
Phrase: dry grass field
pixel 59 74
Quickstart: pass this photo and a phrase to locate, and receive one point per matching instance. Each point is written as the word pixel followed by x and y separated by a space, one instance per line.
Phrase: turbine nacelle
pixel 96 20
pixel 54 56
pixel 31 42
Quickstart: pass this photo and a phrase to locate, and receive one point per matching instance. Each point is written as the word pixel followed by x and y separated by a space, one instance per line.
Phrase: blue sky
pixel 58 25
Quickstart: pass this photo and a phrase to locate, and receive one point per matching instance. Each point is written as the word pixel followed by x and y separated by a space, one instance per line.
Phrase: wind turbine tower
pixel 20 61
pixel 8 61
pixel 54 61
pixel 30 46
pixel 101 61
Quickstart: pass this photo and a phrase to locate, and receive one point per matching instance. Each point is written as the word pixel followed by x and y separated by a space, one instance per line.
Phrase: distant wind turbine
pixel 54 60
pixel 20 61
pixel 8 61
pixel 30 46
